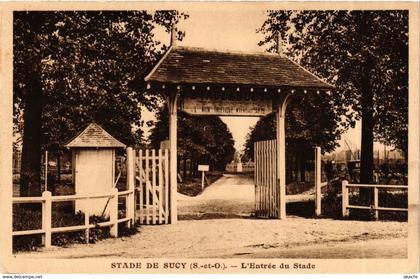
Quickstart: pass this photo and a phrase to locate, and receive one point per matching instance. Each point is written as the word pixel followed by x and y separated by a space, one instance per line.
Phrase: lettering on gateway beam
pixel 227 107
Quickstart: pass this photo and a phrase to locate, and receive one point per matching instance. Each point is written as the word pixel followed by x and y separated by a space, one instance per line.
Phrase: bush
pixel 30 218
pixel 123 230
pixel 332 204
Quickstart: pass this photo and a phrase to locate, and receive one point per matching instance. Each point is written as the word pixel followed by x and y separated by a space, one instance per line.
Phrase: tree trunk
pixel 302 167
pixel 366 160
pixel 184 168
pixel 30 179
pixel 58 166
pixel 190 168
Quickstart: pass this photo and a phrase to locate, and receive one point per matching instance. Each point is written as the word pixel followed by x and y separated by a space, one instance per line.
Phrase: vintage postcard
pixel 209 137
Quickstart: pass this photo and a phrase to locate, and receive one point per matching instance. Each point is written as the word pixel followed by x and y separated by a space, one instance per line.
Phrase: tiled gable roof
pixel 94 136
pixel 185 65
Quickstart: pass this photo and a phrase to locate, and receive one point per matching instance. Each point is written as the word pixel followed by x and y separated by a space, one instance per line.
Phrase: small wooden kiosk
pixel 93 159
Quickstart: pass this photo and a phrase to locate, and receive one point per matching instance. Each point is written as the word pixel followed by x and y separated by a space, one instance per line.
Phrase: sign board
pixel 250 107
pixel 203 167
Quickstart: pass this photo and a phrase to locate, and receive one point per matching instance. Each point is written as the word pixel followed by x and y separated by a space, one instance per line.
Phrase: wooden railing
pixel 47 199
pixel 152 175
pixel 375 206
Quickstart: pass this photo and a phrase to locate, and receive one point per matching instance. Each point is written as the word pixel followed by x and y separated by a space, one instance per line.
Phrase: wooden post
pixel 318 194
pixel 113 213
pixel 87 223
pixel 46 171
pixel 202 180
pixel 161 185
pixel 173 157
pixel 141 187
pixel 166 186
pixel 130 198
pixel 147 187
pixel 46 218
pixel 154 201
pixel 345 198
pixel 281 156
pixel 376 202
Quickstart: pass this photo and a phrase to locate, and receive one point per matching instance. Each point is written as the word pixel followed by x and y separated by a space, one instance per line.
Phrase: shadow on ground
pixel 304 209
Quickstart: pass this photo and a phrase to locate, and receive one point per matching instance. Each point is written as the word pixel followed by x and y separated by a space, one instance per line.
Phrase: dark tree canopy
pixel 365 55
pixel 71 68
pixel 205 139
pixel 306 125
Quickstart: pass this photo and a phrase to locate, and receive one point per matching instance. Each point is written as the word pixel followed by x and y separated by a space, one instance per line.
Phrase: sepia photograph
pixel 210 138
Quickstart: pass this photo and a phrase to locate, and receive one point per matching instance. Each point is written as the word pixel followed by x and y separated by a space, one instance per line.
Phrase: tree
pixel 306 126
pixel 365 55
pixel 201 139
pixel 72 68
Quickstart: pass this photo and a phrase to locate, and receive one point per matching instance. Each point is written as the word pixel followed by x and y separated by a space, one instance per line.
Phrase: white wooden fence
pixel 267 192
pixel 375 206
pixel 47 199
pixel 152 175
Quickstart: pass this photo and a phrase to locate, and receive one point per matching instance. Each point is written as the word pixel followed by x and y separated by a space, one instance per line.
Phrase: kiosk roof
pixel 95 136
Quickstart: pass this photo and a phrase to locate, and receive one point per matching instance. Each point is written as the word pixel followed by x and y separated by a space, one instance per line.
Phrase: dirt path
pixel 200 235
pixel 230 196
pixel 250 238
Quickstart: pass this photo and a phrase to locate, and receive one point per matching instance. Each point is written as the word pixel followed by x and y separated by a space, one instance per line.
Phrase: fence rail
pixel 375 206
pixel 47 199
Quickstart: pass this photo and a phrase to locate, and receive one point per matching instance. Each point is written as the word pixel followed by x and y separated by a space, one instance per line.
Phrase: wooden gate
pixel 267 192
pixel 152 186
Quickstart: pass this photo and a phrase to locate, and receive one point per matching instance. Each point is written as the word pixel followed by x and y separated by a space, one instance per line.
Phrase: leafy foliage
pixel 365 55
pixel 71 68
pixel 306 126
pixel 203 138
pixel 356 51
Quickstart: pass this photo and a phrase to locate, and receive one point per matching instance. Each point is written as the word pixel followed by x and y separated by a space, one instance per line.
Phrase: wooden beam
pixel 318 181
pixel 173 156
pixel 281 156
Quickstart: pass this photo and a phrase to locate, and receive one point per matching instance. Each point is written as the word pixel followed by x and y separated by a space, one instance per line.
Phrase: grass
pixel 332 204
pixel 192 187
pixel 29 217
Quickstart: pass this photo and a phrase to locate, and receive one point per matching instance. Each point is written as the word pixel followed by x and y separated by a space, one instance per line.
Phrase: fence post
pixel 130 186
pixel 87 223
pixel 376 202
pixel 318 194
pixel 46 171
pixel 46 218
pixel 345 198
pixel 113 213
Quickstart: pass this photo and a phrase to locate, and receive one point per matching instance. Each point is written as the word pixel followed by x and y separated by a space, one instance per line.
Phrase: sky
pixel 236 31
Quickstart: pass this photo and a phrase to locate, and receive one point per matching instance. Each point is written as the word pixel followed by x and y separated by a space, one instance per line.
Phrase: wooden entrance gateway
pixel 205 82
